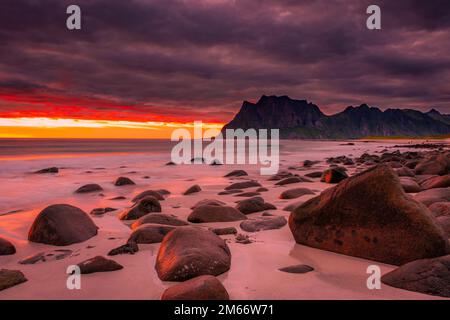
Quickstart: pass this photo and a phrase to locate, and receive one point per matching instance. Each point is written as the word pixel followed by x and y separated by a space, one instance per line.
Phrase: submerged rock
pixel 363 217
pixel 128 248
pixel 295 193
pixel 188 252
pixel 62 225
pixel 243 185
pixel 236 173
pixel 6 247
pixel 253 205
pixel 159 218
pixel 47 170
pixel 150 233
pixel 145 206
pixel 224 231
pixel 300 268
pixel 146 193
pixel 194 189
pixel 89 188
pixel 123 181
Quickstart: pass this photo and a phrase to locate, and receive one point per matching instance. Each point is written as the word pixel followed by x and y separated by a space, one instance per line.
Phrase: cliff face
pixel 298 119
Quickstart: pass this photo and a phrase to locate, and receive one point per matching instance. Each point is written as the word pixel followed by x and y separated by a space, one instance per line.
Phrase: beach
pixel 254 271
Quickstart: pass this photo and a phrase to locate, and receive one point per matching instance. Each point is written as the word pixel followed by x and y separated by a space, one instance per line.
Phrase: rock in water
pixel 435 165
pixel 98 264
pixel 224 231
pixel 150 233
pixel 208 202
pixel 263 223
pixel 89 188
pixel 199 288
pixel 62 225
pixel 243 185
pixel 253 205
pixel 188 252
pixel 6 247
pixel 128 248
pixel 123 181
pixel 145 206
pixel 364 217
pixel 429 276
pixel 295 193
pixel 236 173
pixel 48 170
pixel 159 218
pixel 300 268
pixel 194 189
pixel 144 194
pixel 333 175
pixel 208 213
pixel 10 278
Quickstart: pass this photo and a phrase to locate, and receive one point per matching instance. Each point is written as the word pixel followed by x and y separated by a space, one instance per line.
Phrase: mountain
pixel 300 119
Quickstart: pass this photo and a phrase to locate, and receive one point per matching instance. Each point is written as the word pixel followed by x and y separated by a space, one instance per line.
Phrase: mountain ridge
pixel 300 119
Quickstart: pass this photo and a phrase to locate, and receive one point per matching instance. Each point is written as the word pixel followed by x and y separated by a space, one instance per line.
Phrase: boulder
pixel 290 207
pixel 147 205
pixel 444 223
pixel 228 192
pixel 6 248
pixel 101 211
pixel 194 189
pixel 158 218
pixel 440 209
pixel 189 252
pixel 123 181
pixel 128 248
pixel 210 213
pixel 292 180
pixel 200 288
pixel 431 196
pixel 315 174
pixel 405 172
pixel 144 194
pixel 409 185
pixel 224 231
pixel 243 185
pixel 92 187
pixel 248 194
pixel 428 276
pixel 208 202
pixel 436 182
pixel 263 223
pixel 47 170
pixel 150 233
pixel 364 215
pixel 236 173
pixel 253 205
pixel 435 165
pixel 11 278
pixel 333 175
pixel 299 268
pixel 98 264
pixel 295 193
pixel 62 225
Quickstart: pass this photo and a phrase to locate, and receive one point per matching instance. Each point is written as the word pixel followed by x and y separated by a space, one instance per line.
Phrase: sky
pixel 139 68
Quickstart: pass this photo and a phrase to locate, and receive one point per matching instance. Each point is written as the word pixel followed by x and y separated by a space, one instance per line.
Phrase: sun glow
pixel 81 128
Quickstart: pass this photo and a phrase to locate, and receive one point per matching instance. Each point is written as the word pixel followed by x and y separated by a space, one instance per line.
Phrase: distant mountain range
pixel 300 119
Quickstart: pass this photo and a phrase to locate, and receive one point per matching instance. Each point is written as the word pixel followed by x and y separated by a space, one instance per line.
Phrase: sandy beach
pixel 254 268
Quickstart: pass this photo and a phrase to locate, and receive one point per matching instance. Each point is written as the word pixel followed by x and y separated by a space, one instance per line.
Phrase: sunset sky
pixel 140 68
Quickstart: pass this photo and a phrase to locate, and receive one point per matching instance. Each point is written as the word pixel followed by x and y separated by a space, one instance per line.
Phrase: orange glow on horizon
pixel 94 129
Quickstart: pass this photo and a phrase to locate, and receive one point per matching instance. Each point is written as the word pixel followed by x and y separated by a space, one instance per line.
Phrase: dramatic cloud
pixel 185 60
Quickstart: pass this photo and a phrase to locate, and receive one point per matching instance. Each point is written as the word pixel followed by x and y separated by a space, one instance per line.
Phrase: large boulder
pixel 436 165
pixel 11 278
pixel 431 196
pixel 150 233
pixel 62 225
pixel 211 213
pixel 369 216
pixel 145 206
pixel 6 247
pixel 88 188
pixel 263 223
pixel 188 252
pixel 200 288
pixel 253 205
pixel 436 182
pixel 429 276
pixel 295 193
pixel 159 218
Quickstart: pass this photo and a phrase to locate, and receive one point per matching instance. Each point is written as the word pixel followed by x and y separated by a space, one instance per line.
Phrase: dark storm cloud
pixel 192 60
